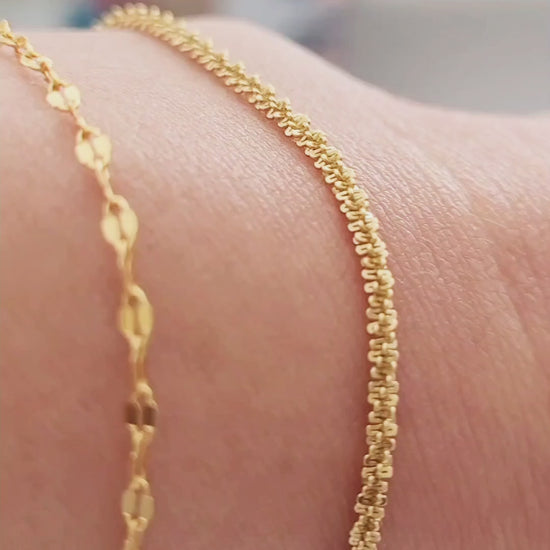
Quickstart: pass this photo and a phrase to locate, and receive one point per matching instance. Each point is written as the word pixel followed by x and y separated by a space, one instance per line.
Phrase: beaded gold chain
pixel 383 387
pixel 119 225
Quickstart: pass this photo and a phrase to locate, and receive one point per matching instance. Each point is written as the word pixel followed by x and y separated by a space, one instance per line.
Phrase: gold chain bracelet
pixel 354 204
pixel 119 225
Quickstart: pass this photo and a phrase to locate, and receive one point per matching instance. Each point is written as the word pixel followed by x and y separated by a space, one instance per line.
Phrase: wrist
pixel 261 375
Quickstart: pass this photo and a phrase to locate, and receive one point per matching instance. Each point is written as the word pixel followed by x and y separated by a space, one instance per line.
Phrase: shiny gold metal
pixel 383 387
pixel 119 226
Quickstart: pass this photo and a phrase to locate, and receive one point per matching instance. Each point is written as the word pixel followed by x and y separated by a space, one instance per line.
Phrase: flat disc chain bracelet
pixel 119 226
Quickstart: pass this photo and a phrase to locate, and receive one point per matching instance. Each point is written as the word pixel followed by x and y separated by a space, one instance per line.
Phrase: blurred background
pixel 488 55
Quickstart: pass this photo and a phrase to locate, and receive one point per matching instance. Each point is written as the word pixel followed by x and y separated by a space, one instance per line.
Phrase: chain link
pixel 383 388
pixel 119 226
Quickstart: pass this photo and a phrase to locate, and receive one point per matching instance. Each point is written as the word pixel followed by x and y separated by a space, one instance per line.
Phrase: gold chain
pixel 119 226
pixel 354 204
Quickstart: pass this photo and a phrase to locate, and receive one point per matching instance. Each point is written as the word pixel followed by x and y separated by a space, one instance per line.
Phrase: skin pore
pixel 258 358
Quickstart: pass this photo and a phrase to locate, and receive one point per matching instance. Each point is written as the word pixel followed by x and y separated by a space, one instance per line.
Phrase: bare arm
pixel 259 352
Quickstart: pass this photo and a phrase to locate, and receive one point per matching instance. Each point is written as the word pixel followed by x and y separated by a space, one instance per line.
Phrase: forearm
pixel 259 352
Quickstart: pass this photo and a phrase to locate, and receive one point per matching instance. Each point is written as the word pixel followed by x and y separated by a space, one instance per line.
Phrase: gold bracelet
pixel 119 225
pixel 354 204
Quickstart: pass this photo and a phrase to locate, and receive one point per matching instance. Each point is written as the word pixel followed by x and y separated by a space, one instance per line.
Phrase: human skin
pixel 258 357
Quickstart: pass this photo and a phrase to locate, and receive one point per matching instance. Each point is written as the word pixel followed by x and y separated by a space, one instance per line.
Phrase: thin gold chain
pixel 354 204
pixel 119 225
